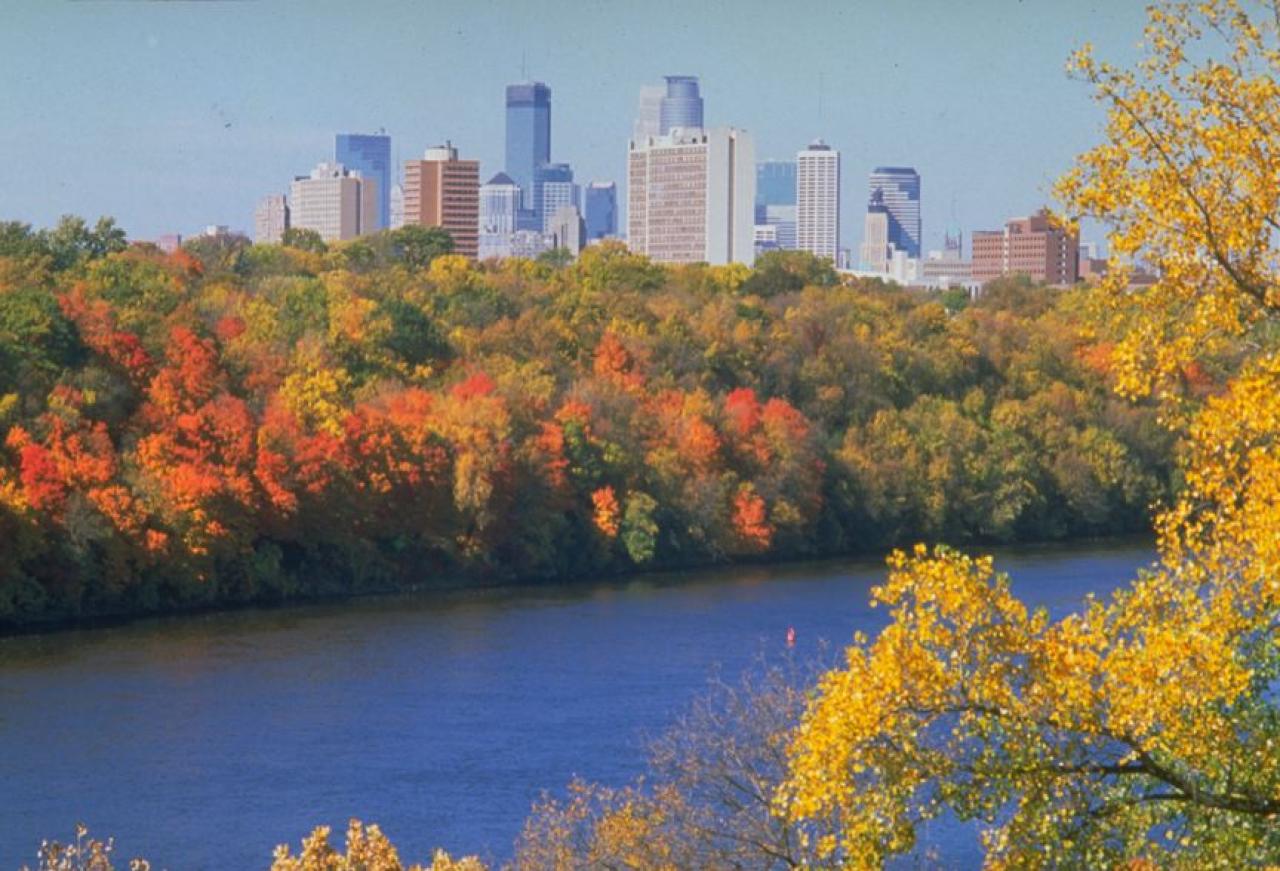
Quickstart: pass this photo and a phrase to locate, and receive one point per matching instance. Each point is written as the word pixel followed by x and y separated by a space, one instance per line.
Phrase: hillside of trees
pixel 233 422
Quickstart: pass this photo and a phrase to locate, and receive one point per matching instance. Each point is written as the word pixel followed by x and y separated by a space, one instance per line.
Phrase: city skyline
pixel 203 108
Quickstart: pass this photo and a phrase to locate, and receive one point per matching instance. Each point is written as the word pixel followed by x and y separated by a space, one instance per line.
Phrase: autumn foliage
pixel 239 423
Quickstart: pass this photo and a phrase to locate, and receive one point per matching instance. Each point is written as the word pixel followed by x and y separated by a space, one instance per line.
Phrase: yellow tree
pixel 367 850
pixel 1144 729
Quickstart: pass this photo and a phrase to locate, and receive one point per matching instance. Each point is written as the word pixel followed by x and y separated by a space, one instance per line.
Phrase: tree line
pixel 233 422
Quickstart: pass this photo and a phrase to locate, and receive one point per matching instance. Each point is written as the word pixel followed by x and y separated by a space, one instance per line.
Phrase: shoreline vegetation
pixel 235 423
pixel 461 586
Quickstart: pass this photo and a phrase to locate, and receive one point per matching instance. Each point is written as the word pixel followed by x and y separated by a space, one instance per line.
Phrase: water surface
pixel 203 741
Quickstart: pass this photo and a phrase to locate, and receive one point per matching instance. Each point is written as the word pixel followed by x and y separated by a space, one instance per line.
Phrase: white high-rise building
pixel 271 219
pixel 691 196
pixel 499 211
pixel 818 200
pixel 335 202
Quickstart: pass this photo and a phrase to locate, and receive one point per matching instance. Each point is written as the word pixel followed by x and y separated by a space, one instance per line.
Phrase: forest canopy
pixel 235 422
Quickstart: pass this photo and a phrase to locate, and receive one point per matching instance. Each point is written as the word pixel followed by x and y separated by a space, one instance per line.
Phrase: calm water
pixel 201 742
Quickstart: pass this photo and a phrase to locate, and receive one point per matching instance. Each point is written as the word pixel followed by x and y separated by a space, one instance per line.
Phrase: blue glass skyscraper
pixel 899 188
pixel 600 205
pixel 371 155
pixel 682 106
pixel 528 135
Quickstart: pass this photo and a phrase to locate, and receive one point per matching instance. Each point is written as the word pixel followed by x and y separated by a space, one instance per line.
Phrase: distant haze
pixel 171 116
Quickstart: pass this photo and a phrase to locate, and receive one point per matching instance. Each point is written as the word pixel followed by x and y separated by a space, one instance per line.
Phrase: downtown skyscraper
pixel 528 135
pixel 899 188
pixel 370 155
pixel 818 200
pixel 681 106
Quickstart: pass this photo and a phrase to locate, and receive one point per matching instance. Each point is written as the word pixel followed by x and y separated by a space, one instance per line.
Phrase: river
pixel 202 741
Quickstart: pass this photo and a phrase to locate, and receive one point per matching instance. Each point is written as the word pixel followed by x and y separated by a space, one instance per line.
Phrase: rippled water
pixel 201 742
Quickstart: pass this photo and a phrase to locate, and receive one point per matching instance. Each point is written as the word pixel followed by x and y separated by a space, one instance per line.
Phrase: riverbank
pixel 462 586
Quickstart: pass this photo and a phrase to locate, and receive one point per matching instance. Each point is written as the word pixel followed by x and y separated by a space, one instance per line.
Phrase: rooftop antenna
pixel 822 79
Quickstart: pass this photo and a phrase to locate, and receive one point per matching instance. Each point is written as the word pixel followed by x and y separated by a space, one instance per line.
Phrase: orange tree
pixel 1142 730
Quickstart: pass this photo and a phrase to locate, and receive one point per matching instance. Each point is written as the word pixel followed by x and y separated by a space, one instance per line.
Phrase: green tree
pixel 413 336
pixel 778 272
pixel 72 241
pixel 416 246
pixel 304 240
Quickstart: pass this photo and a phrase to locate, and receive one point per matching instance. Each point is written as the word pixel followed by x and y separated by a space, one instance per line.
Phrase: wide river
pixel 201 742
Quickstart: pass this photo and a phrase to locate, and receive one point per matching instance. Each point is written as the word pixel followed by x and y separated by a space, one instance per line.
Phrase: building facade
pixel 818 200
pixel 271 219
pixel 499 211
pixel 528 143
pixel 775 185
pixel 553 187
pixel 648 122
pixel 691 197
pixel 169 242
pixel 765 239
pixel 1034 246
pixel 443 191
pixel 370 155
pixel 899 187
pixel 568 229
pixel 334 202
pixel 530 243
pixel 397 207
pixel 776 203
pixel 876 250
pixel 600 209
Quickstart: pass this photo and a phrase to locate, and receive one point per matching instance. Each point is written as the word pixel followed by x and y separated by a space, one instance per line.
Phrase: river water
pixel 202 741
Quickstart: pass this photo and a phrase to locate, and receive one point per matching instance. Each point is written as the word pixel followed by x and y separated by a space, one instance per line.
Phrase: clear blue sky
pixel 174 115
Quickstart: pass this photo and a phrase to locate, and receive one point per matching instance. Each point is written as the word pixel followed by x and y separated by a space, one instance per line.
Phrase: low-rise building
pixel 1034 246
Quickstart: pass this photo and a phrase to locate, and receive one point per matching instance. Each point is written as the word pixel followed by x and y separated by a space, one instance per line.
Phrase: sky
pixel 174 115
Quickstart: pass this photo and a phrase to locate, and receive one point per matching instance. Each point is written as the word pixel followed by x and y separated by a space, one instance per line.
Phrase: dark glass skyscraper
pixel 371 156
pixel 528 134
pixel 600 203
pixel 899 188
pixel 682 106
